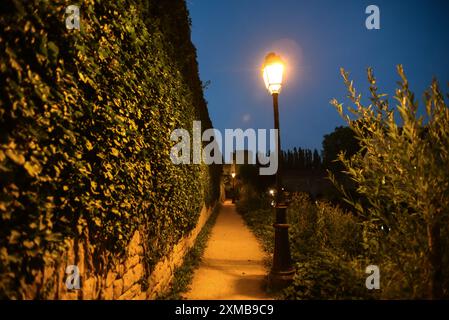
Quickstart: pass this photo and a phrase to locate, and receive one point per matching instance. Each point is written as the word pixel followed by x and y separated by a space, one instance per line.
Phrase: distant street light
pixel 282 271
pixel 233 187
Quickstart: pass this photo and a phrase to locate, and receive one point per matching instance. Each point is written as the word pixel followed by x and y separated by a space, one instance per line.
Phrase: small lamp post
pixel 282 271
pixel 233 187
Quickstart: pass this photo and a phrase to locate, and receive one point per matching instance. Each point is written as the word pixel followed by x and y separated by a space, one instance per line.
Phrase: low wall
pixel 127 280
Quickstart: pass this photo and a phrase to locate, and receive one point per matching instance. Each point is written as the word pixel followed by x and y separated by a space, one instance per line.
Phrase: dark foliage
pixel 85 123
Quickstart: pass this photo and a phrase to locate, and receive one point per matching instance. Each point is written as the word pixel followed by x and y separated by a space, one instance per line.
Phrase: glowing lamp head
pixel 272 192
pixel 233 175
pixel 273 71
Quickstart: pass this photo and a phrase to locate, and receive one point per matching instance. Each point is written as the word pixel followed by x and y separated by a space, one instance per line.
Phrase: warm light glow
pixel 272 192
pixel 273 71
pixel 233 175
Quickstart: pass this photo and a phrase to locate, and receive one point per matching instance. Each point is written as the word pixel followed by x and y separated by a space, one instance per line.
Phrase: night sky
pixel 315 38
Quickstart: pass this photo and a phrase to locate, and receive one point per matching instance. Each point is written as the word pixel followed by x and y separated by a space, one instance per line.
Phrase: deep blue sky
pixel 316 38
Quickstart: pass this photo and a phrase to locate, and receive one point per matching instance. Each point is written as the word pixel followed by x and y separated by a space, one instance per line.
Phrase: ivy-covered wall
pixel 85 123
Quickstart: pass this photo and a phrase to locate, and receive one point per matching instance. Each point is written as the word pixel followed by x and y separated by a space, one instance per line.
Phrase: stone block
pixel 128 280
pixel 141 296
pixel 132 292
pixel 69 295
pixel 120 269
pixel 89 288
pixel 138 271
pixel 117 288
pixel 110 277
pixel 108 293
pixel 139 250
pixel 131 262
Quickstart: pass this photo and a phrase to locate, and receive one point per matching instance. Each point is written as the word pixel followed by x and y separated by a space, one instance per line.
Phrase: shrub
pixel 250 199
pixel 402 178
pixel 326 245
pixel 321 227
pixel 327 276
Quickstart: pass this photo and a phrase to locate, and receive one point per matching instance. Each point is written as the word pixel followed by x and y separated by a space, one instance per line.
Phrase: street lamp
pixel 233 187
pixel 282 271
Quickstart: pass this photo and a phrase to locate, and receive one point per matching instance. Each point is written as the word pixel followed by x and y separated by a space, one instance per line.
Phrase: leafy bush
pixel 327 277
pixel 402 177
pixel 250 199
pixel 85 123
pixel 402 204
pixel 321 227
pixel 326 246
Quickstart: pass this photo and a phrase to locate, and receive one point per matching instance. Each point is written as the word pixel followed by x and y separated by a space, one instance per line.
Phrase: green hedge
pixel 85 123
pixel 326 247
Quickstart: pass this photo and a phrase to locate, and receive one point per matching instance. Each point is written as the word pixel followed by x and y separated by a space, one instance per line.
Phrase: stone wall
pixel 129 279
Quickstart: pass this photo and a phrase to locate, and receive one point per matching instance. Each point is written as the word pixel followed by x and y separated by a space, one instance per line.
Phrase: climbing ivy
pixel 85 123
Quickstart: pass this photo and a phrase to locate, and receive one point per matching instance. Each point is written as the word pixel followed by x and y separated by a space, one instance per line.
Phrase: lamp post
pixel 282 271
pixel 233 187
